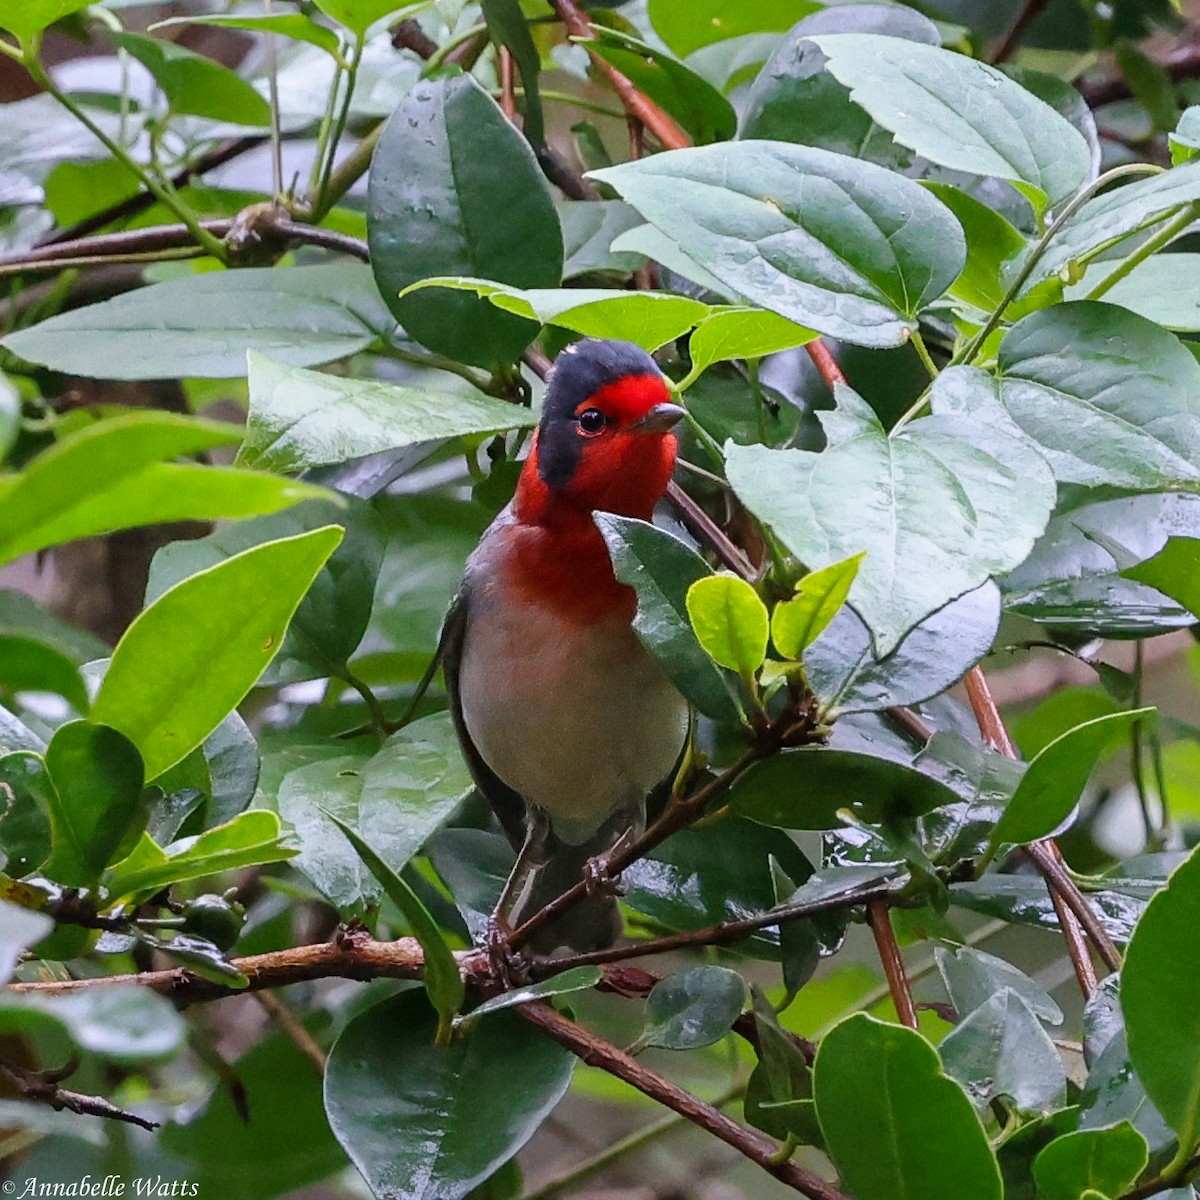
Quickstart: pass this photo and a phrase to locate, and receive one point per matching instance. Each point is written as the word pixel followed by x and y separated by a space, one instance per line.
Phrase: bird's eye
pixel 591 422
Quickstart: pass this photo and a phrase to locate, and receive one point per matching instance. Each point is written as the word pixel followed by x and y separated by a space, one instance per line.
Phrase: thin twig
pixel 893 963
pixel 1032 10
pixel 293 1028
pixel 596 1052
pixel 708 531
pixel 43 1088
pixel 825 363
pixel 1160 1184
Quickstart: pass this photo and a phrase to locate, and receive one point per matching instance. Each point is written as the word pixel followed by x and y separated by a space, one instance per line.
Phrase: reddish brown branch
pixel 708 531
pixel 42 1087
pixel 880 921
pixel 598 1053
pixel 825 363
pixel 1030 13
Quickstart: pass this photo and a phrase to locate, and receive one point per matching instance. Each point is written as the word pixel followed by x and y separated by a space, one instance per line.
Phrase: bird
pixel 566 722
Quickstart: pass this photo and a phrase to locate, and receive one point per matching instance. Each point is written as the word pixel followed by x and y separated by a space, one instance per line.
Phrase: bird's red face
pixel 605 440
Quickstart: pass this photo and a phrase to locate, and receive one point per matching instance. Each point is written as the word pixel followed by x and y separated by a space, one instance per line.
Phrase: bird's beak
pixel 659 419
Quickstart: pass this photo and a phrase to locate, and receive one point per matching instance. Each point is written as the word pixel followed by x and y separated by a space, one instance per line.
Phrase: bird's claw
pixel 598 878
pixel 507 966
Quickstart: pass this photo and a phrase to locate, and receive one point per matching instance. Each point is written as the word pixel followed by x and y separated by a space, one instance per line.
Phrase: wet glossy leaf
pixel 577 979
pixel 94 798
pixel 927 1140
pixel 1173 571
pixel 730 621
pixel 661 568
pixel 839 246
pixel 426 1122
pixel 167 692
pixel 692 1008
pixel 195 85
pixel 845 674
pixel 648 319
pixel 396 800
pixel 1114 1093
pixel 443 983
pixel 1023 900
pixel 300 419
pixel 1052 786
pixel 1111 398
pixel 27 798
pixel 1000 1049
pixel 248 840
pixel 797 623
pixel 202 325
pixel 589 229
pixel 27 665
pixel 961 113
pixel 779 1092
pixel 935 506
pixel 1160 996
pixel 972 977
pixel 1108 1161
pixel 447 162
pixel 22 928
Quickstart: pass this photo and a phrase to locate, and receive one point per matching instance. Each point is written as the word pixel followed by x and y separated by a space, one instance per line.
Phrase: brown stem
pixel 598 1053
pixel 825 363
pixel 893 963
pixel 43 1088
pixel 1158 1184
pixel 408 35
pixel 708 531
pixel 291 1025
pixel 508 99
pixel 1075 915
pixel 1012 39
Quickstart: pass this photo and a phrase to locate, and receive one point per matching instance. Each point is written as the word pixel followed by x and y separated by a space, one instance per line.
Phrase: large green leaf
pixel 1173 571
pixel 1111 398
pixel 972 978
pixel 730 621
pixel 195 85
pixel 426 1122
pixel 296 26
pixel 938 506
pixel 95 797
pixel 692 1008
pixel 192 656
pixel 1162 289
pixel 26 18
pixel 686 25
pixel 1052 786
pixel 925 1139
pixel 396 800
pixel 1107 1161
pixel 843 247
pixel 446 168
pixel 300 419
pixel 660 569
pixel 204 324
pixel 27 665
pixel 961 113
pixel 1160 994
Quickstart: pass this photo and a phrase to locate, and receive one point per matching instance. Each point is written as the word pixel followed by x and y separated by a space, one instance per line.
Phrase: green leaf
pixel 124 1023
pixel 577 979
pixel 938 506
pixel 202 325
pixel 250 839
pixel 1051 787
pixel 1111 399
pixel 96 777
pixel 443 983
pixel 730 621
pixel 692 1008
pixel 295 26
pixel 194 85
pixel 1173 571
pixel 191 657
pixel 734 332
pixel 698 106
pixel 1162 289
pixel 797 623
pixel 843 247
pixel 359 15
pixel 27 18
pixel 961 113
pixel 22 616
pixel 660 568
pixel 779 1091
pixel 1160 995
pixel 1185 141
pixel 1000 1049
pixel 396 799
pixel 426 1122
pixel 27 797
pixel 1108 1161
pixel 808 788
pixel 589 229
pixel 446 164
pixel 27 665
pixel 649 319
pixel 925 1138
pixel 686 25
pixel 973 977
pixel 300 419
pixel 508 27
pixel 19 929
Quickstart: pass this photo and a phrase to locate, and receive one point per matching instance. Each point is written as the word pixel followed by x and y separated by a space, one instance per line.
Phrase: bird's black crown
pixel 585 367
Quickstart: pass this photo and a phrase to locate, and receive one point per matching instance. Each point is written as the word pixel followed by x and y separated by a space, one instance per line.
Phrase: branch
pixel 880 921
pixel 43 1088
pixel 703 527
pixel 1032 10
pixel 1164 1184
pixel 598 1053
pixel 825 363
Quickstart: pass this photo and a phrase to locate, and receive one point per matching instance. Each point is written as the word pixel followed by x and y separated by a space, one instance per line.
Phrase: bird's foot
pixel 598 877
pixel 507 966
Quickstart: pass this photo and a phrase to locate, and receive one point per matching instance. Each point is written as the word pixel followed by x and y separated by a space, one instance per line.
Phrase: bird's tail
pixel 592 924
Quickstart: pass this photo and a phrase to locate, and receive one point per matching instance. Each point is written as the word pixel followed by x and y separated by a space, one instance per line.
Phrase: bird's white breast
pixel 580 720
